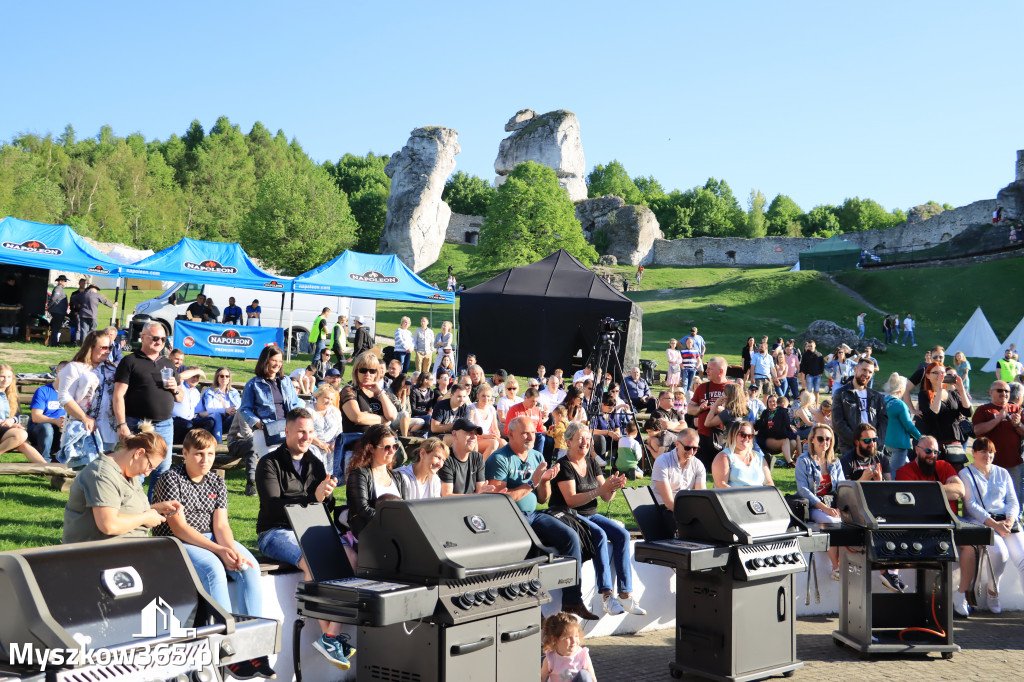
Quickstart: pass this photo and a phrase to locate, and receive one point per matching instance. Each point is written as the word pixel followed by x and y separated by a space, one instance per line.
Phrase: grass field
pixel 727 304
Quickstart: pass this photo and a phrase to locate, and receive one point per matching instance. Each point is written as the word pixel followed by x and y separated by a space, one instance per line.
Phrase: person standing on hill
pixel 860 325
pixel 908 330
pixel 812 366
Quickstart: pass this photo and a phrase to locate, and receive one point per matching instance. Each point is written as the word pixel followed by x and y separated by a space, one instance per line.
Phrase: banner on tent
pixel 225 340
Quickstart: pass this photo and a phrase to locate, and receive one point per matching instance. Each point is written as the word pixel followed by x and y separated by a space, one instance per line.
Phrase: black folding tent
pixel 543 314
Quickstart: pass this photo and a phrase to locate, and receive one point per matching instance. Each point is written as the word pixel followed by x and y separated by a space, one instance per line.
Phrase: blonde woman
pixel 483 414
pixel 509 398
pixel 963 368
pixel 675 365
pixel 803 416
pixel 326 425
pixel 739 464
pixel 731 406
pixel 818 471
pixel 13 435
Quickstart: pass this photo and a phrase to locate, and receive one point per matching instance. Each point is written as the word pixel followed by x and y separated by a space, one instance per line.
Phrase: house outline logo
pixel 158 616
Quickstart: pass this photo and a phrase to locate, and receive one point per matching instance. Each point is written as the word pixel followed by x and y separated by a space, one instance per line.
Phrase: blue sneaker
pixel 333 649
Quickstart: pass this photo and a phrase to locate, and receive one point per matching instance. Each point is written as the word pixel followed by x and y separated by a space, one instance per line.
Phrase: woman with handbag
pixel 942 409
pixel 990 500
pixel 818 471
pixel 266 399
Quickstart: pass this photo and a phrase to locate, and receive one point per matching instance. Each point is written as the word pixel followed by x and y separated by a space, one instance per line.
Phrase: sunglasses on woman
pixel 367 370
pixel 823 439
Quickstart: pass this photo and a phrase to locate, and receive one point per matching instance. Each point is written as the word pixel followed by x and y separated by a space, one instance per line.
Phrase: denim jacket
pixel 258 400
pixel 808 476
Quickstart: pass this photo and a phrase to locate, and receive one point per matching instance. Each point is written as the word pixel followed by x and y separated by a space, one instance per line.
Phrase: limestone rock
pixel 519 121
pixel 607 259
pixel 828 336
pixel 417 219
pixel 551 139
pixel 589 210
pixel 631 231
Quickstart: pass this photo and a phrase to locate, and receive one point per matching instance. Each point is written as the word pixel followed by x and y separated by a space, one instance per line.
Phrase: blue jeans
pixel 1017 477
pixel 611 541
pixel 214 578
pixel 565 541
pixel 813 383
pixel 403 357
pixel 320 344
pixel 221 423
pixel 688 376
pixel 897 458
pixel 85 325
pixel 280 544
pixel 792 388
pixel 41 438
pixel 908 335
pixel 343 448
pixel 860 331
pixel 165 430
pixel 183 426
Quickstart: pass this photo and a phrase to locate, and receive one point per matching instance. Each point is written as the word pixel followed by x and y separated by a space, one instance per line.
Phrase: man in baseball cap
pixel 463 472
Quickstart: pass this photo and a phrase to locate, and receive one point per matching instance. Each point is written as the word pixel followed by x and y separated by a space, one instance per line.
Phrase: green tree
pixel 363 180
pixel 783 217
pixel 613 179
pixel 821 221
pixel 224 181
pixel 858 214
pixel 530 217
pixel 756 223
pixel 298 221
pixel 468 194
pixel 651 191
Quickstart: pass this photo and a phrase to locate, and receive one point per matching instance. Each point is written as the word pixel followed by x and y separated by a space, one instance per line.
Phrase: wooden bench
pixel 60 476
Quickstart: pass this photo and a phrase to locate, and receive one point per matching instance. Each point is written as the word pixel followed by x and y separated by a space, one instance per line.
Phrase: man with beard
pixel 704 396
pixel 863 462
pixel 1000 421
pixel 928 467
pixel 812 366
pixel 855 404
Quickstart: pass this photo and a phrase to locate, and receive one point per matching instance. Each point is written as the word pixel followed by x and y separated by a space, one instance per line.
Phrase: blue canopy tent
pixel 199 262
pixel 50 247
pixel 364 275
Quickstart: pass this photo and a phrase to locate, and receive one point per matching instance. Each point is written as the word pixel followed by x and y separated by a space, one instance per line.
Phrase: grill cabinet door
pixel 469 652
pixel 518 644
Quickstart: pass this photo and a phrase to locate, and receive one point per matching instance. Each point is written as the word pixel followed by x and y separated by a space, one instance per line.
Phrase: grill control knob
pixel 481 597
pixel 890 547
pixel 750 565
pixel 201 676
pixel 943 547
pixel 535 586
pixel 758 562
pixel 468 599
pixel 491 595
pixel 511 591
pixel 903 547
pixel 769 561
pixel 779 559
pixel 524 588
pixel 795 557
pixel 916 548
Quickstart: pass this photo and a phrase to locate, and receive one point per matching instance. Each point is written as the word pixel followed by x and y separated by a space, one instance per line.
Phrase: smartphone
pixel 949 379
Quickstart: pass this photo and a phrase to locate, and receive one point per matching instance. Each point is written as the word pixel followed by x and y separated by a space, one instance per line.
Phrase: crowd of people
pixel 569 442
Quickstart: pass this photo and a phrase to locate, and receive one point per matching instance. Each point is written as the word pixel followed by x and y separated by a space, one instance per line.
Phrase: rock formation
pixel 828 336
pixel 626 232
pixel 551 139
pixel 417 218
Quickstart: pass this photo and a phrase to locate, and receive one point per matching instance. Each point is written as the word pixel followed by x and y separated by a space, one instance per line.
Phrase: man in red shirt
pixel 704 396
pixel 928 467
pixel 528 409
pixel 1000 421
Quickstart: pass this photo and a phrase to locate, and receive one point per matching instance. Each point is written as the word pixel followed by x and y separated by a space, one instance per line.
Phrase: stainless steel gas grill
pixel 735 558
pixel 899 525
pixel 445 590
pixel 130 610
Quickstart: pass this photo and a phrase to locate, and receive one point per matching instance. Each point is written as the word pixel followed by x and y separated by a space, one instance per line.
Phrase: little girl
pixel 559 418
pixel 564 659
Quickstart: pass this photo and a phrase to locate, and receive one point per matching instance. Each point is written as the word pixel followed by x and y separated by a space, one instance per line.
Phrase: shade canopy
pixel 1016 338
pixel 835 253
pixel 50 247
pixel 199 262
pixel 976 339
pixel 543 314
pixel 364 275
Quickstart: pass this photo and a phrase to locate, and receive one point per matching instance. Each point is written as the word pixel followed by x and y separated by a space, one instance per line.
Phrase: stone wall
pixel 460 224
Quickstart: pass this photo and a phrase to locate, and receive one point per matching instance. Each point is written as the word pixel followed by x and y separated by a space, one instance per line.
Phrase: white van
pixel 306 308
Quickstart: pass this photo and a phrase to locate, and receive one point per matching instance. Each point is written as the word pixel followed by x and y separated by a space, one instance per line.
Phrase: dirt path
pixel 853 294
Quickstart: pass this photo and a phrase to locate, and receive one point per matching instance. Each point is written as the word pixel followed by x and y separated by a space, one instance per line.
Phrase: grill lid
pixel 880 504
pixel 447 539
pixel 734 515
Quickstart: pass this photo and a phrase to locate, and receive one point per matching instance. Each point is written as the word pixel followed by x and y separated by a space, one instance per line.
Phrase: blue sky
pixel 902 102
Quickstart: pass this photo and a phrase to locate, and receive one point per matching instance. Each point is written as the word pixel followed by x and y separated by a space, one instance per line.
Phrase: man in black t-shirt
pixel 197 311
pixel 145 388
pixel 666 416
pixel 863 462
pixel 463 472
pixel 446 412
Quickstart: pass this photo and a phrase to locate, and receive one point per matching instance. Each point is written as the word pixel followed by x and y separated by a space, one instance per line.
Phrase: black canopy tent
pixel 543 314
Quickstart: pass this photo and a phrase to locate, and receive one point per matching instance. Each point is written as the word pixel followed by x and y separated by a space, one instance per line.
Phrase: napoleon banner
pixel 225 340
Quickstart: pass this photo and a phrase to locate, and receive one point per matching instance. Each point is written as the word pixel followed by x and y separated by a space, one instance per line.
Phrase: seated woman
pixel 399 392
pixel 901 432
pixel 326 425
pixel 577 485
pixel 421 400
pixel 221 402
pixel 774 430
pixel 13 435
pixel 483 414
pixel 803 416
pixel 370 475
pixel 731 406
pixel 678 470
pixel 606 428
pixel 991 500
pixel 739 464
pixel 202 526
pixel 363 404
pixel 421 480
pixel 106 499
pixel 266 399
pixel 817 474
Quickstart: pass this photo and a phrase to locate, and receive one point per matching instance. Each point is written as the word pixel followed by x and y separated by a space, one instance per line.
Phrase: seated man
pixel 47 416
pixel 304 379
pixel 639 392
pixel 232 313
pixel 197 310
pixel 293 475
pixel 189 413
pixel 678 469
pixel 322 364
pixel 447 412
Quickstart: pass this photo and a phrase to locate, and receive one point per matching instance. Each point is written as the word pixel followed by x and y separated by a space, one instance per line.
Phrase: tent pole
pixel 288 339
pixel 124 299
pixel 117 291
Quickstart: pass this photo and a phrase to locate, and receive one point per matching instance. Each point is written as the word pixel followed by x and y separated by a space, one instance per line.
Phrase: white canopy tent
pixel 976 339
pixel 1016 337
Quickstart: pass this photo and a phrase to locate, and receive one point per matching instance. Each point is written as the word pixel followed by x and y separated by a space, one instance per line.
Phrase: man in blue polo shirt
pixel 47 416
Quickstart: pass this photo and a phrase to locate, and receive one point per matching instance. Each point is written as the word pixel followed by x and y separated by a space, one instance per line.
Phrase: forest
pixel 265 192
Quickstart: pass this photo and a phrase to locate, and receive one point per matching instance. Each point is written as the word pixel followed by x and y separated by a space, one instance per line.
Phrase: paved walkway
pixel 992 649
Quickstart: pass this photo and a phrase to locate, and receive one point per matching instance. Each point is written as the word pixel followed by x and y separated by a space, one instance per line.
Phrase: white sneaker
pixel 960 604
pixel 993 603
pixel 835 575
pixel 629 605
pixel 639 472
pixel 600 462
pixel 612 606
